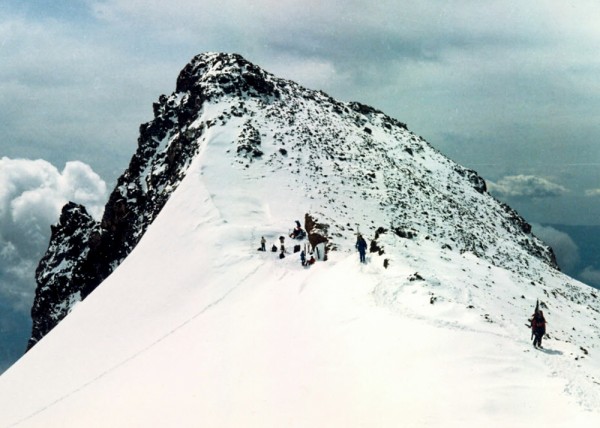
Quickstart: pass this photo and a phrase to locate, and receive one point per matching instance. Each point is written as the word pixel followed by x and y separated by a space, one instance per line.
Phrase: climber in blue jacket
pixel 361 245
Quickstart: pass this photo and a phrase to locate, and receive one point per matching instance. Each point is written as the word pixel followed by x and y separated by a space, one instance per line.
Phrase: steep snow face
pixel 349 166
pixel 198 327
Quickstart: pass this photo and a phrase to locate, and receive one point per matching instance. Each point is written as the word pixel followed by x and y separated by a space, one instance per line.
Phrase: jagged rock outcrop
pixel 342 157
pixel 165 148
pixel 248 145
pixel 59 272
pixel 317 233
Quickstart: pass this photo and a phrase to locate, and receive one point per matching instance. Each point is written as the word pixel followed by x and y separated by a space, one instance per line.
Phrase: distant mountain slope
pixel 345 163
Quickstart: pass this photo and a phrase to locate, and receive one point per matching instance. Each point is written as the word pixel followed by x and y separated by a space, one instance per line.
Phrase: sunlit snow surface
pixel 198 328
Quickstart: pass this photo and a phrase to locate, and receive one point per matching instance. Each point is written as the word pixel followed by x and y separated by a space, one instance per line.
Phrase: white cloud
pixel 526 186
pixel 565 249
pixel 591 276
pixel 32 193
pixel 592 192
pixel 84 186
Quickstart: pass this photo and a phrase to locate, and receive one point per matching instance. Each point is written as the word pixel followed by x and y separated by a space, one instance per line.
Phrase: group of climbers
pixel 304 261
pixel 274 248
pixel 298 233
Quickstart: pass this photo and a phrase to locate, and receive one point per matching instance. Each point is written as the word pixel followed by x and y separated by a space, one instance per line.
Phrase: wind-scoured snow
pixel 197 328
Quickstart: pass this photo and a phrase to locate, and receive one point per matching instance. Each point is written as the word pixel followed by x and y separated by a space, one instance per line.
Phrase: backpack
pixel 538 323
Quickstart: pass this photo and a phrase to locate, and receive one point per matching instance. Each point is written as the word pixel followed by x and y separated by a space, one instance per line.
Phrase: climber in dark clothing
pixel 538 328
pixel 361 245
pixel 298 232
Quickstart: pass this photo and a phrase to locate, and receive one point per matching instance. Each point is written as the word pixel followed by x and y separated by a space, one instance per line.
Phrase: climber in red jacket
pixel 538 328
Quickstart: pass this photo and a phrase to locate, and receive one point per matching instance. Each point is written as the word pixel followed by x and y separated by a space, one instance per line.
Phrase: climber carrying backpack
pixel 538 326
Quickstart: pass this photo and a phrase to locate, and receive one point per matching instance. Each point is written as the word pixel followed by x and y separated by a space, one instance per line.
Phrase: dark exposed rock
pixel 317 232
pixel 375 247
pixel 166 146
pixel 416 277
pixel 248 144
pixel 230 75
pixel 474 178
pixel 59 271
pixel 380 231
pixel 407 234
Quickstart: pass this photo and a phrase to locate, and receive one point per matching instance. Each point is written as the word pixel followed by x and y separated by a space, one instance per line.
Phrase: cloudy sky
pixel 508 88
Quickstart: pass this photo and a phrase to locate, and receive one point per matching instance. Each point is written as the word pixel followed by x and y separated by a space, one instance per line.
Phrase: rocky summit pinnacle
pixel 345 164
pixel 214 74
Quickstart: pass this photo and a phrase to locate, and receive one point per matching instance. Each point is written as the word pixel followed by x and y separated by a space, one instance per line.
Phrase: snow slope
pixel 203 330
pixel 346 164
pixel 197 328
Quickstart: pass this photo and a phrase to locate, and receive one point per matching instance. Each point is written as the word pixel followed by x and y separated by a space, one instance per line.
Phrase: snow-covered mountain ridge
pixel 192 325
pixel 345 163
pixel 330 146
